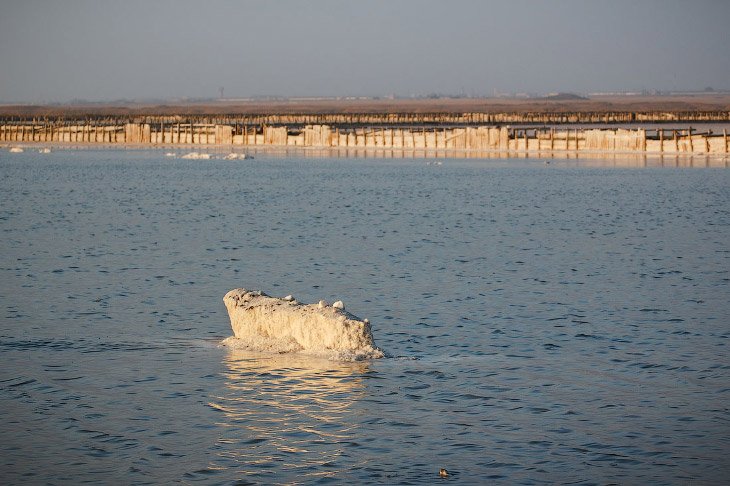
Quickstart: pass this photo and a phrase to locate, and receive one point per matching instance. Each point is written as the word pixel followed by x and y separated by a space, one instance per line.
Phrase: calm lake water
pixel 545 323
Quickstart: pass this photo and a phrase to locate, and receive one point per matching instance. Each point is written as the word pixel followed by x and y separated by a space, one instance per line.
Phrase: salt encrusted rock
pixel 264 323
pixel 196 156
pixel 235 156
pixel 339 305
pixel 289 298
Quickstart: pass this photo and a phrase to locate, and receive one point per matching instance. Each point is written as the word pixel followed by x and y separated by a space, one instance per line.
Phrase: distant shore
pixel 690 124
pixel 705 102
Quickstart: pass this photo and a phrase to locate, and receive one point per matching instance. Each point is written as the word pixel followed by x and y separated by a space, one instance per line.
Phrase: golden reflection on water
pixel 288 413
pixel 557 157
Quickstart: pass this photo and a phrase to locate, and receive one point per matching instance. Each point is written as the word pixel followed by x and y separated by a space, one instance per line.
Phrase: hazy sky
pixel 105 50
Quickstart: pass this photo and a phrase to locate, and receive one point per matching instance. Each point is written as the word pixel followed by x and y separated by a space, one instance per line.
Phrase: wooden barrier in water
pixel 482 138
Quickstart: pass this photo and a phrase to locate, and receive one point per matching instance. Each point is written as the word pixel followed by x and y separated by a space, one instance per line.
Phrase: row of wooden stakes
pixel 499 138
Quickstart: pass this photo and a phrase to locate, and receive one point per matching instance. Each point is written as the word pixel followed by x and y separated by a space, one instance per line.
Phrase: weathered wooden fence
pixel 482 138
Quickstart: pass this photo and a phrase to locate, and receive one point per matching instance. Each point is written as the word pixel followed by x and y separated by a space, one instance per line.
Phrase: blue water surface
pixel 546 323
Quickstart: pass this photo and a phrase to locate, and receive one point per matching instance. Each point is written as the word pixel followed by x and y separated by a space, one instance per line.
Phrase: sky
pixel 103 50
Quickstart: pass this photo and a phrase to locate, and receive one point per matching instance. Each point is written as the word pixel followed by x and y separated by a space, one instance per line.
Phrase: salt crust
pixel 279 325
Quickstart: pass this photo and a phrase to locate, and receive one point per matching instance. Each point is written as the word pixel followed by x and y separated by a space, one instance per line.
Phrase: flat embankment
pixel 601 104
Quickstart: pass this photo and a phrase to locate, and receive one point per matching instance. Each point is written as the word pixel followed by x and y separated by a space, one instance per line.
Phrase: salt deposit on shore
pixel 283 325
pixel 16 150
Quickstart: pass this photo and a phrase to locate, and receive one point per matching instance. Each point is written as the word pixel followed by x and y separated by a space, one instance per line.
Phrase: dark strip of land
pixel 685 104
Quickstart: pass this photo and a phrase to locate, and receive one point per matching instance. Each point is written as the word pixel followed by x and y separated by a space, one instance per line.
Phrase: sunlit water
pixel 546 324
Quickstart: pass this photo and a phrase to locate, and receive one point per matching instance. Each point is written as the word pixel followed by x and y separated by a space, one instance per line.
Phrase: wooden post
pixel 676 140
pixel 642 139
pixel 724 135
pixel 526 141
pixel 661 140
pixel 691 143
pixel 552 138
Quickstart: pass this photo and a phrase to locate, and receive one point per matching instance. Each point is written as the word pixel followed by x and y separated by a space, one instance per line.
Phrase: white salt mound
pixel 196 156
pixel 16 150
pixel 263 323
pixel 234 156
